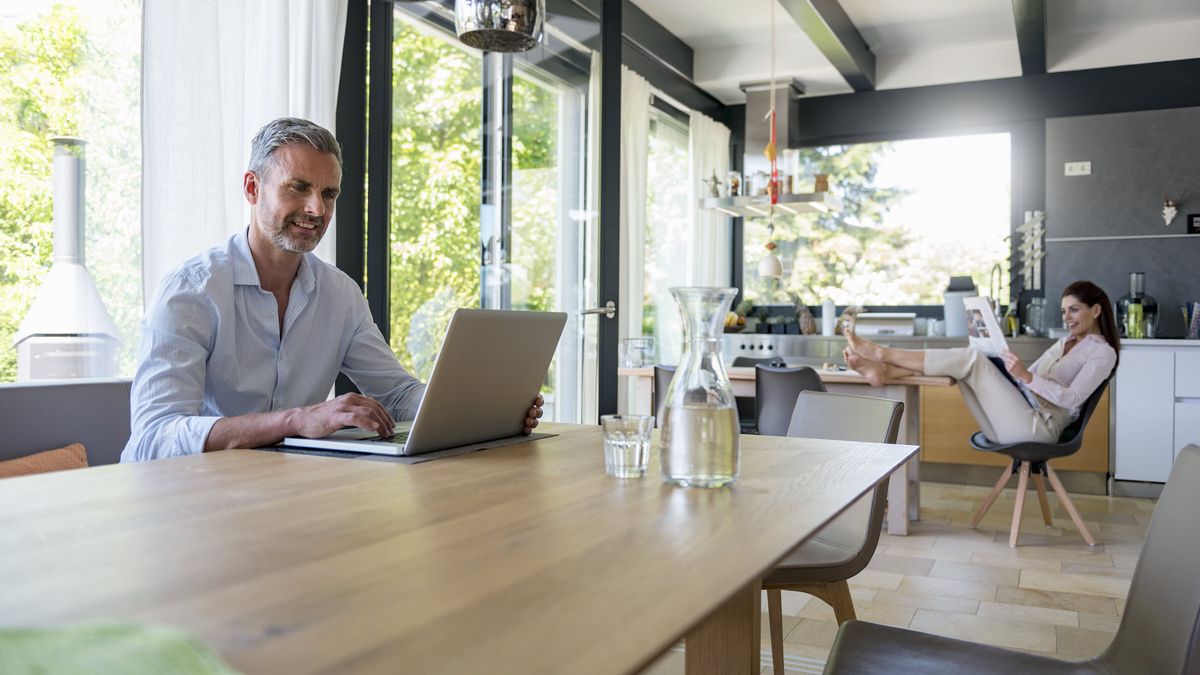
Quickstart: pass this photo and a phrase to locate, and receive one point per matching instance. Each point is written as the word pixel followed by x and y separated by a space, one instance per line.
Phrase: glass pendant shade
pixel 500 25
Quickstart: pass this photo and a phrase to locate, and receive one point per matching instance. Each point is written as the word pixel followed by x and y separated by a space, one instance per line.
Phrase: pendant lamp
pixel 500 25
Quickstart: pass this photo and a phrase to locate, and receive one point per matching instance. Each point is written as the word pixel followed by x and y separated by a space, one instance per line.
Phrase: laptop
pixel 491 366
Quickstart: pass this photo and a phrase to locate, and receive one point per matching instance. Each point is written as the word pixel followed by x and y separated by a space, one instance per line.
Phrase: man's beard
pixel 285 242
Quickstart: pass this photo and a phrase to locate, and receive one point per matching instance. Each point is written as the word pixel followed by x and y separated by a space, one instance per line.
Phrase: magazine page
pixel 982 328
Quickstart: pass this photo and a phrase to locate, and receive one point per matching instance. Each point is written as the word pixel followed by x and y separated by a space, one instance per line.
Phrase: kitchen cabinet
pixel 946 424
pixel 1156 407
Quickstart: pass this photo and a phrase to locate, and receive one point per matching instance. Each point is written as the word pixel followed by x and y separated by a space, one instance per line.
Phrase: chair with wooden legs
pixel 1033 459
pixel 1159 631
pixel 821 565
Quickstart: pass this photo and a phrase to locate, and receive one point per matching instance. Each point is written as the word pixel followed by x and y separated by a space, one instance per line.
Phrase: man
pixel 242 344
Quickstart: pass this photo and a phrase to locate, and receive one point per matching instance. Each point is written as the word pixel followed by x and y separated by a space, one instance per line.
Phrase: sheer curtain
pixel 212 74
pixel 635 140
pixel 710 256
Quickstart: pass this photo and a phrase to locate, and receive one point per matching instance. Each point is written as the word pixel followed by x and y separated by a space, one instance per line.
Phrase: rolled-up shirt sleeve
pixel 168 388
pixel 1071 396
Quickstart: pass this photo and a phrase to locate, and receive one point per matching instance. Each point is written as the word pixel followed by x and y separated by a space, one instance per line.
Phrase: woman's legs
pixel 877 373
pixel 912 360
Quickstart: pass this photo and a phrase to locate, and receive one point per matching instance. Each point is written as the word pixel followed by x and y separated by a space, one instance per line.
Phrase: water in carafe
pixel 698 442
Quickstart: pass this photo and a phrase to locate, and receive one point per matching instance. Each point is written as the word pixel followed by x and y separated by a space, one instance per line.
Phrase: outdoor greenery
pixel 71 69
pixel 436 193
pixel 853 257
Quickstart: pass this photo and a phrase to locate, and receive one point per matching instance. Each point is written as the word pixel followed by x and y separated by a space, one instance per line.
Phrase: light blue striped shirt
pixel 211 348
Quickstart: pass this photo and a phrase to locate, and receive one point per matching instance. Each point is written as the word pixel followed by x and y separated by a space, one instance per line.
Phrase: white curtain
pixel 709 257
pixel 635 139
pixel 213 73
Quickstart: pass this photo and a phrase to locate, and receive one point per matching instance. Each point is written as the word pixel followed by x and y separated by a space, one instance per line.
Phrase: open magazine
pixel 984 334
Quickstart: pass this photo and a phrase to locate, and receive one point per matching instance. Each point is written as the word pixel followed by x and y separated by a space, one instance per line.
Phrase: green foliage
pixel 435 197
pixel 852 256
pixel 71 71
pixel 38 99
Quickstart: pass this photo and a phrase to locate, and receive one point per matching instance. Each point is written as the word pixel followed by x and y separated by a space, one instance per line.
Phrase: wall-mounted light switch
pixel 1077 169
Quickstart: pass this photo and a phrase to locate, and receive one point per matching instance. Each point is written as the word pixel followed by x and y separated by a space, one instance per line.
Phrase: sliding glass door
pixel 492 194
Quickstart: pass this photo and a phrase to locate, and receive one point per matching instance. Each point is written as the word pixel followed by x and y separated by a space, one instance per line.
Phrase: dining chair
pixel 1159 631
pixel 745 404
pixel 662 380
pixel 775 393
pixel 1033 459
pixel 842 548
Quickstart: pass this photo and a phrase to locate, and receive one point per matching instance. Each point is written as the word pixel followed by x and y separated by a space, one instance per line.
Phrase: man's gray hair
pixel 290 131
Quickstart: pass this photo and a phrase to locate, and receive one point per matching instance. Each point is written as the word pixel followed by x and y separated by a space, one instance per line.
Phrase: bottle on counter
pixel 1012 325
pixel 828 318
pixel 1137 312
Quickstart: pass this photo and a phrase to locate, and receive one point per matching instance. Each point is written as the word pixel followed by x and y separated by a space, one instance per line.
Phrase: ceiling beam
pixel 1030 19
pixel 830 29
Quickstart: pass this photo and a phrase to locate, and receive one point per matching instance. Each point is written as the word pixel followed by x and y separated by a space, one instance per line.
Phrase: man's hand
pixel 1018 370
pixel 532 415
pixel 347 410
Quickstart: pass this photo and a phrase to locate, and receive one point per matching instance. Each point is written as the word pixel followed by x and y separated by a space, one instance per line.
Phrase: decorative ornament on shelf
pixel 1170 209
pixel 714 185
pixel 500 25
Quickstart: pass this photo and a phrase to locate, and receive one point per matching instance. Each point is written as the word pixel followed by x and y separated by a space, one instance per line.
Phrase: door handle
pixel 609 310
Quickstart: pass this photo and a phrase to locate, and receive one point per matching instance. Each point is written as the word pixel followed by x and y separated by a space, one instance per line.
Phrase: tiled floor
pixel 1053 594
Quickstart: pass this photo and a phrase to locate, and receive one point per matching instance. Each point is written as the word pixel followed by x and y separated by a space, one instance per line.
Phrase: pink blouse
pixel 1067 381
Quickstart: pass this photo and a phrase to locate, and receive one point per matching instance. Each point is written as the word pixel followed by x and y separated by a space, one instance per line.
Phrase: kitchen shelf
pixel 759 206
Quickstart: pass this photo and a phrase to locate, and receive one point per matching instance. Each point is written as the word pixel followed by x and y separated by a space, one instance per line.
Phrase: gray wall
pixel 1135 158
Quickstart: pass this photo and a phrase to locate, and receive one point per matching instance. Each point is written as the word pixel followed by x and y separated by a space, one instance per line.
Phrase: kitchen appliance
pixel 885 323
pixel 1137 312
pixel 952 305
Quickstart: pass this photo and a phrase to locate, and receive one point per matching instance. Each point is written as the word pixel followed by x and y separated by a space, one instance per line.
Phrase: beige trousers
pixel 997 405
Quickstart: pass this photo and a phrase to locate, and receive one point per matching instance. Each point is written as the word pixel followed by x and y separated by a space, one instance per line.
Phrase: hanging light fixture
pixel 500 25
pixel 770 266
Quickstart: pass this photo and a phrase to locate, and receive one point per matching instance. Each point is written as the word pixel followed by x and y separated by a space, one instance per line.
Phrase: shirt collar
pixel 246 274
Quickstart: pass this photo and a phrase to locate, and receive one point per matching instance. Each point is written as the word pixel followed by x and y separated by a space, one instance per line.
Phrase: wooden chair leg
pixel 1040 484
pixel 775 617
pixel 991 498
pixel 836 594
pixel 839 599
pixel 1066 501
pixel 1022 486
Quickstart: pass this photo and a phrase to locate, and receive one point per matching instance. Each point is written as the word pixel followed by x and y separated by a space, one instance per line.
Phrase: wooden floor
pixel 1053 594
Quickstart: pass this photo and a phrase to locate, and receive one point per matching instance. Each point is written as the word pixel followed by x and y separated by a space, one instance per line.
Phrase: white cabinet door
pixel 1187 373
pixel 1187 423
pixel 1145 406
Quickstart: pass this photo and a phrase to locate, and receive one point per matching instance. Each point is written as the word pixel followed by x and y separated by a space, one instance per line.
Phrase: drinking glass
pixel 626 444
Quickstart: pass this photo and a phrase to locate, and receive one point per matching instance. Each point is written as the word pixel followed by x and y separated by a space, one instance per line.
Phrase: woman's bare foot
pixel 861 345
pixel 874 371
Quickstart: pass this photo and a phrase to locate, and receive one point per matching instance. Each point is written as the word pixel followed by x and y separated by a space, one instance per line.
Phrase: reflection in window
pixel 666 232
pixel 70 68
pixel 916 212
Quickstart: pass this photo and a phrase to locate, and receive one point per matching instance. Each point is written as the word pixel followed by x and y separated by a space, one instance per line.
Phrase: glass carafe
pixel 1137 312
pixel 698 442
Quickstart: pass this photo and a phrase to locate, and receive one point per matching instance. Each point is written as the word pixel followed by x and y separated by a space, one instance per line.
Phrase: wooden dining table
pixel 525 558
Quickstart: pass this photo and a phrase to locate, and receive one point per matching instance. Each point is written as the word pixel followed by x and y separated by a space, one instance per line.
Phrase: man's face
pixel 291 200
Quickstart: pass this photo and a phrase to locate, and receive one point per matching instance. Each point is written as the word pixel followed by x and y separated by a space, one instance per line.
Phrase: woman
pixel 1061 379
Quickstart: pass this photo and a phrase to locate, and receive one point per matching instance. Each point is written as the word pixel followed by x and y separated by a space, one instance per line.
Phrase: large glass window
pixel 916 212
pixel 70 68
pixel 666 232
pixel 462 123
pixel 436 153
